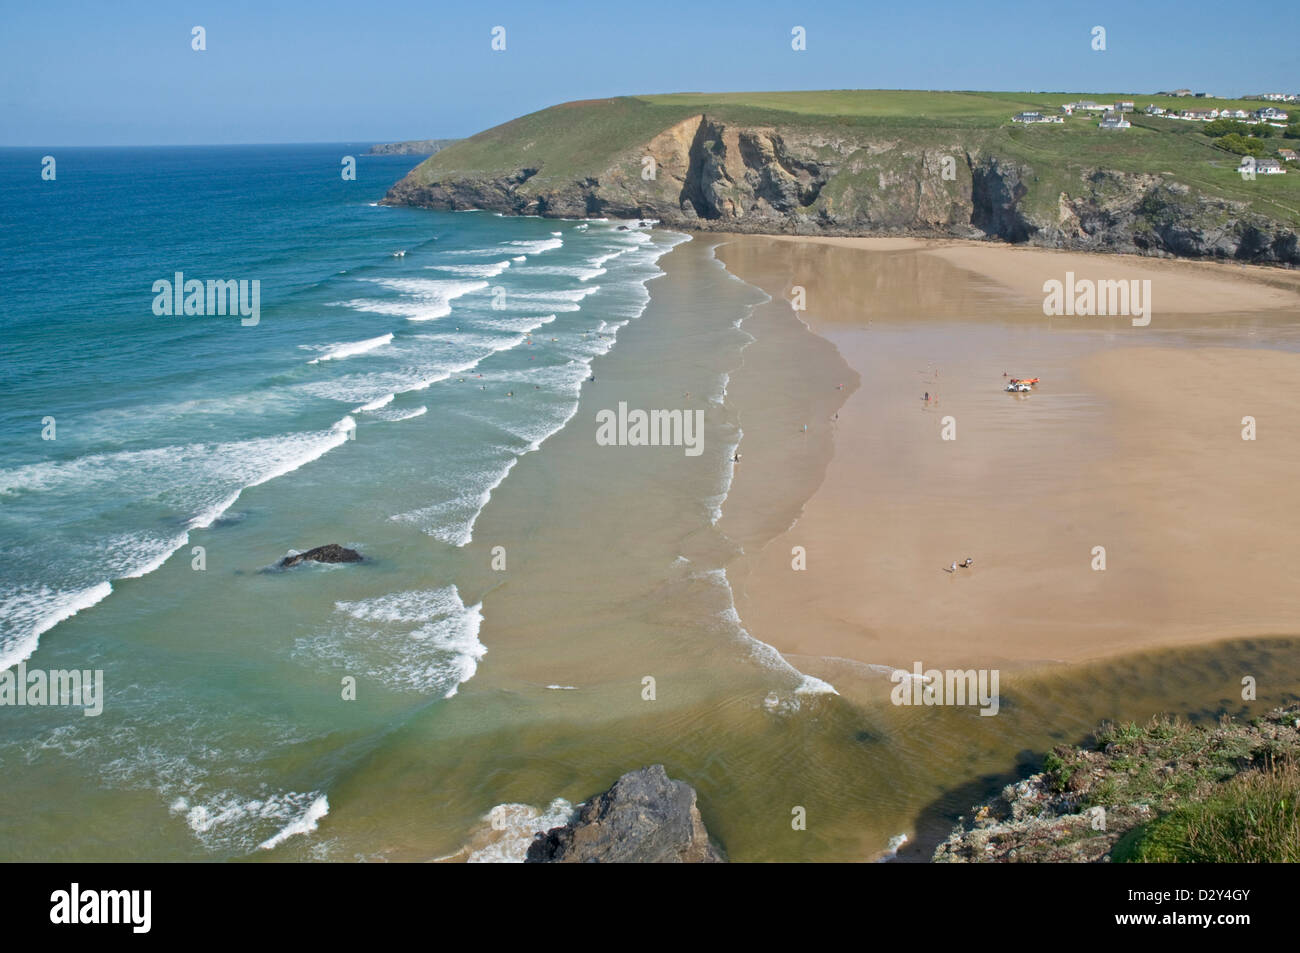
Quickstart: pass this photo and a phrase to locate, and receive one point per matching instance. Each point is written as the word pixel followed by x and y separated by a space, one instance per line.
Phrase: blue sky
pixel 119 73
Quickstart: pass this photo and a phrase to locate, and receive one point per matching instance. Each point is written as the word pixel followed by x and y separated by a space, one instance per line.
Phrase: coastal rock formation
pixel 411 147
pixel 645 818
pixel 705 173
pixel 1169 791
pixel 329 553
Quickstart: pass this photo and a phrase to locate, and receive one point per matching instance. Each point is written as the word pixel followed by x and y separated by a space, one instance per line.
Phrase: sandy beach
pixel 1132 443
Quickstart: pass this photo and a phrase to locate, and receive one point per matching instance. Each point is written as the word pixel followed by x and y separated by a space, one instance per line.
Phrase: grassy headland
pixel 881 162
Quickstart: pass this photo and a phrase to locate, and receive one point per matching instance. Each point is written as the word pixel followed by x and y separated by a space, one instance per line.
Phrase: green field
pixel 572 140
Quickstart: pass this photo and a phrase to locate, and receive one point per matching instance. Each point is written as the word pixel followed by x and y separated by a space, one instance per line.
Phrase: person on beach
pixel 926 398
pixel 736 458
pixel 967 563
pixel 952 568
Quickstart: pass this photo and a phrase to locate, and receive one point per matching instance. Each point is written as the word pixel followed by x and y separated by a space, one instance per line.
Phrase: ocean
pixel 536 612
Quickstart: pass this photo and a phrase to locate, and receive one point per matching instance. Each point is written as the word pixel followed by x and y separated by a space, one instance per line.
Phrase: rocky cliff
pixel 1168 791
pixel 411 147
pixel 706 173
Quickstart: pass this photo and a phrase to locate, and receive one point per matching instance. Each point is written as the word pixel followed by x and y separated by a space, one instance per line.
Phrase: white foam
pixel 205 479
pixel 895 842
pixel 306 824
pixel 765 654
pixel 334 352
pixel 536 247
pixel 452 520
pixel 423 640
pixel 32 612
pixel 423 299
pixel 567 271
pixel 393 416
pixel 508 830
pixel 230 821
pixel 475 270
pixel 377 403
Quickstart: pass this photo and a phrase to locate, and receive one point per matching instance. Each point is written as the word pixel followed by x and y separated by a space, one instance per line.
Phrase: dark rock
pixel 411 147
pixel 645 818
pixel 329 553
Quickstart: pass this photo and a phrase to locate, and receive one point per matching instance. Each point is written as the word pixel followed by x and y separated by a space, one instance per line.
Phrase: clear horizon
pixel 320 73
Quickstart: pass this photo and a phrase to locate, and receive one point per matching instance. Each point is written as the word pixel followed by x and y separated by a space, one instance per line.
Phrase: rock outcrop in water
pixel 717 175
pixel 645 818
pixel 411 147
pixel 329 553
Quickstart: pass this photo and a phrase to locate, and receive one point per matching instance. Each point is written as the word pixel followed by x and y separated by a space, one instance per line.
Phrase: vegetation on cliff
pixel 875 162
pixel 1166 792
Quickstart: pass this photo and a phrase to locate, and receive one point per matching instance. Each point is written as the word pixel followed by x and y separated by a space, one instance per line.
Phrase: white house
pixel 1260 166
pixel 1270 112
pixel 1154 110
pixel 1288 155
pixel 1114 121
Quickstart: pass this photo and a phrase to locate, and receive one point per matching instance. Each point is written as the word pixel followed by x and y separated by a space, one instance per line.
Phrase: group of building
pixel 1269 114
pixel 1112 114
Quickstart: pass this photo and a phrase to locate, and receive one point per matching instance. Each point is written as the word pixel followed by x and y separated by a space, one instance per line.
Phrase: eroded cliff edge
pixel 705 173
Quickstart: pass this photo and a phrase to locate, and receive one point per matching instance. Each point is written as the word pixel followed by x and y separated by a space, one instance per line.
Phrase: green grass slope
pixel 578 139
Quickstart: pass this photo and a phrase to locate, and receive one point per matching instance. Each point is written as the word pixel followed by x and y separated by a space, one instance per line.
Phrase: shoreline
pixel 824 618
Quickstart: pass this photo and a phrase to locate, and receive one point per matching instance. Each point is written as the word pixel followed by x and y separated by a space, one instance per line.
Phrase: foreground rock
pixel 329 553
pixel 1119 798
pixel 645 818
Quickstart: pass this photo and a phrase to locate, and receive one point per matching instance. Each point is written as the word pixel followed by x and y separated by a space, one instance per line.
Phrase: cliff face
pixel 411 147
pixel 706 174
pixel 1168 791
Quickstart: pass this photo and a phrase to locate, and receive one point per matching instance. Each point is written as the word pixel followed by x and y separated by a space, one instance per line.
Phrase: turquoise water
pixel 402 361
